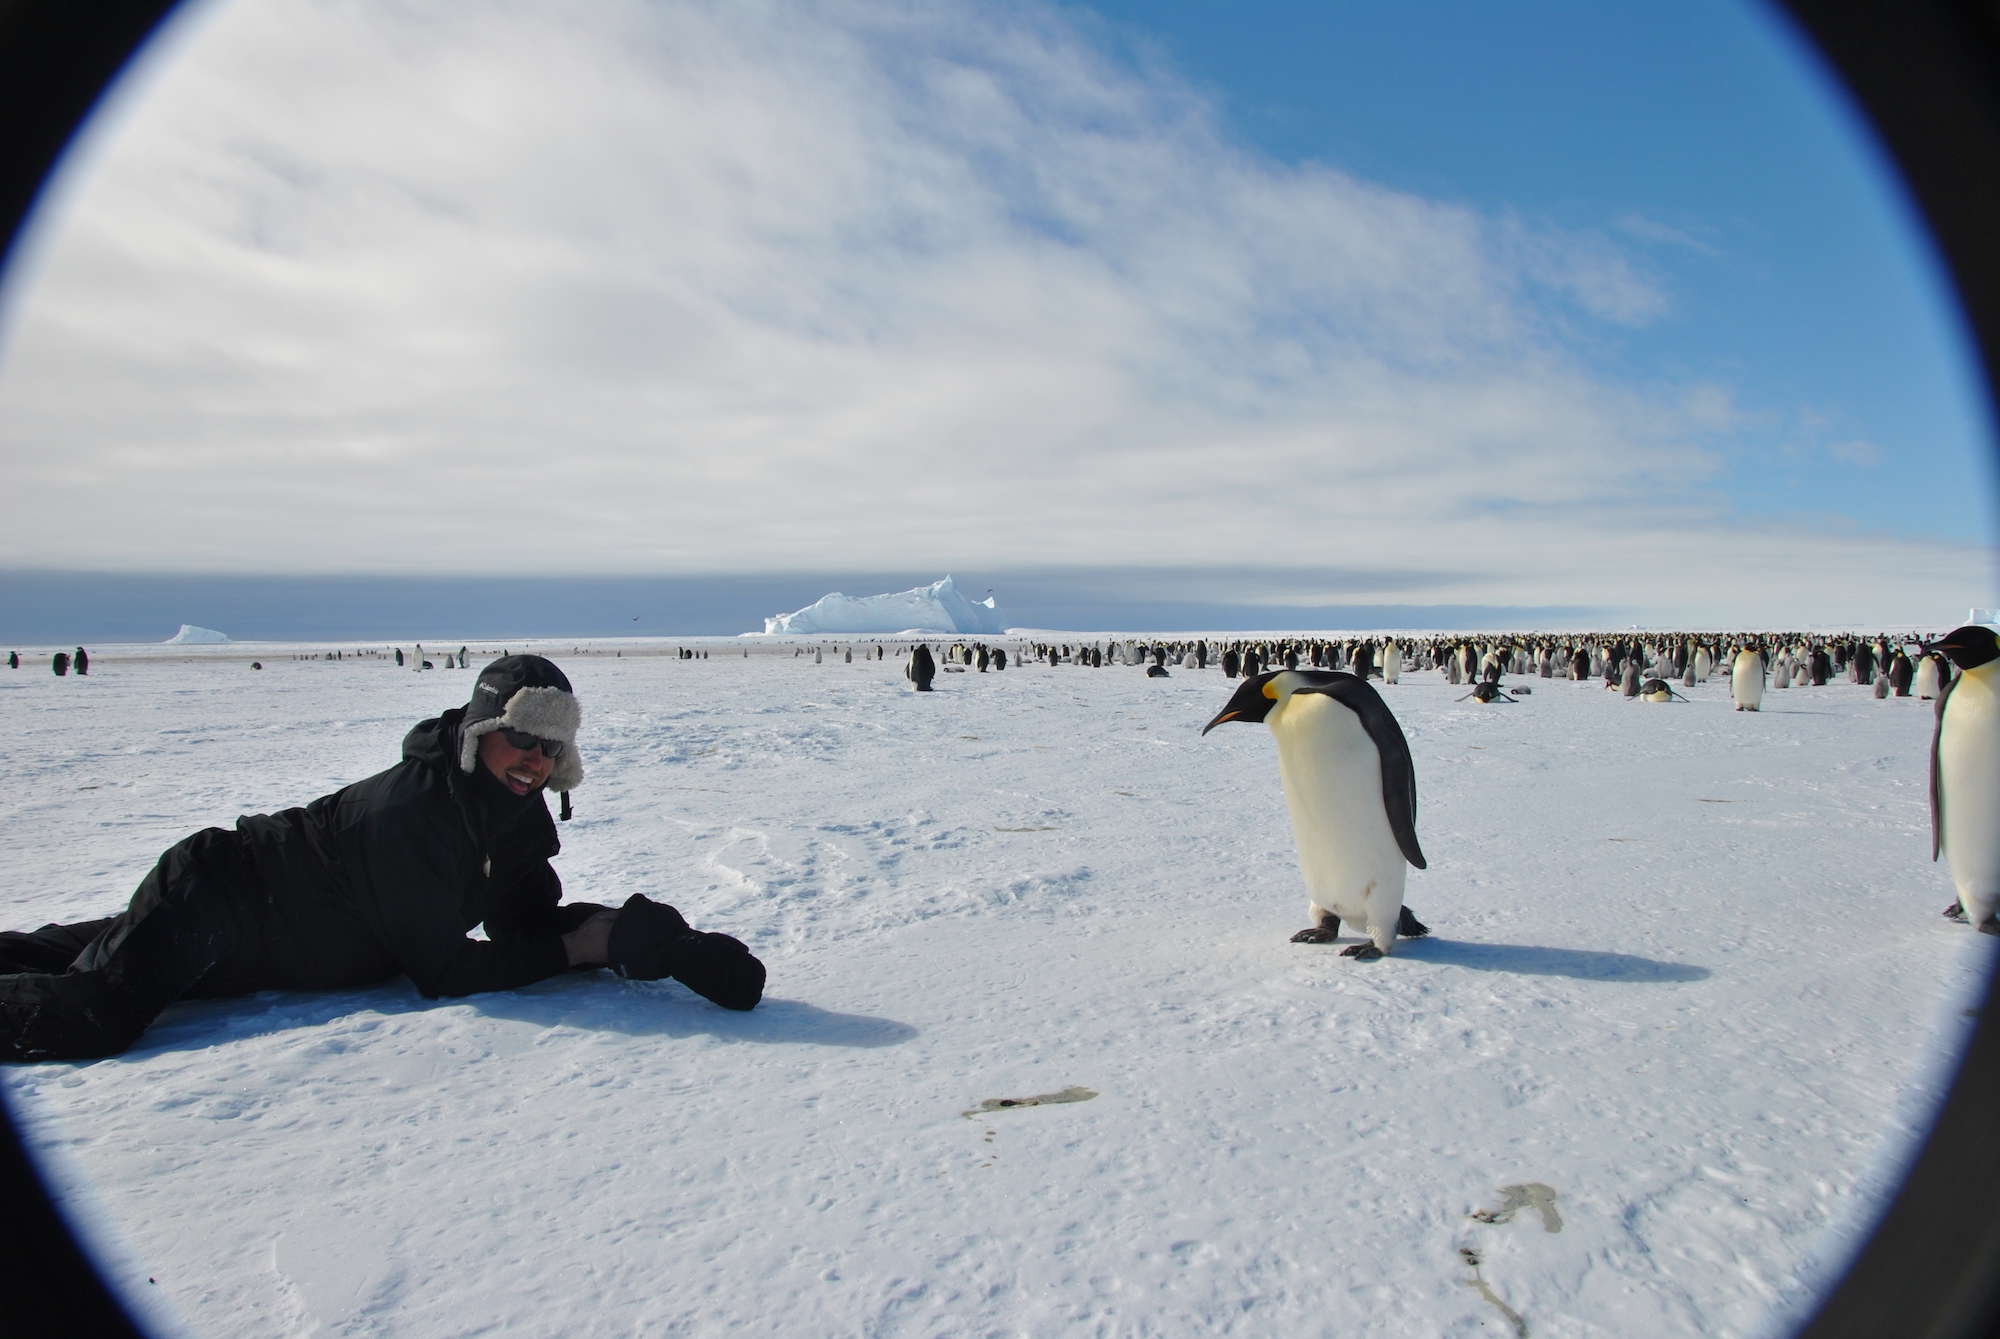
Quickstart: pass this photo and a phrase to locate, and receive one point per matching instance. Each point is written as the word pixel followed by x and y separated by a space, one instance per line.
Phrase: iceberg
pixel 190 634
pixel 938 607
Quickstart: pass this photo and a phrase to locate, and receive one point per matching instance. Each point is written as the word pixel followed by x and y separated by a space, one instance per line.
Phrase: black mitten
pixel 650 940
pixel 643 938
pixel 720 968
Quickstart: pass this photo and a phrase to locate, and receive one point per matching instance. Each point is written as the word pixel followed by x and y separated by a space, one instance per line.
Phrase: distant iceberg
pixel 938 607
pixel 191 635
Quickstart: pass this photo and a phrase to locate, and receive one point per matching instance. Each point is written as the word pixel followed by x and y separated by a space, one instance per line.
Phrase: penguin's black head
pixel 1251 702
pixel 1969 646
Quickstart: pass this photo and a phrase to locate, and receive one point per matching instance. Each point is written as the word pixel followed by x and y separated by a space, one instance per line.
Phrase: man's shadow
pixel 597 1001
pixel 603 1002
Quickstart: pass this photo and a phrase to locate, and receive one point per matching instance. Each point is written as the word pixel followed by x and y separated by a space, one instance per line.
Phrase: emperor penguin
pixel 1392 662
pixel 1746 679
pixel 1351 789
pixel 1927 676
pixel 1965 774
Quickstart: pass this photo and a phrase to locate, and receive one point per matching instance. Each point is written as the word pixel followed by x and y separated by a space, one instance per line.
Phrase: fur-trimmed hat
pixel 524 693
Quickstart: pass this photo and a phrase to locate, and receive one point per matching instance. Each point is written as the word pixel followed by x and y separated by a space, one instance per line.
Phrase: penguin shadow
pixel 668 1009
pixel 1535 960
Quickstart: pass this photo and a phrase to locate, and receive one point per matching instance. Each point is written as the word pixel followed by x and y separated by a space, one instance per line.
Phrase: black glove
pixel 650 940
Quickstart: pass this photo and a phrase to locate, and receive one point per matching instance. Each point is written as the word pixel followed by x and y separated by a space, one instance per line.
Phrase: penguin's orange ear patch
pixel 1271 690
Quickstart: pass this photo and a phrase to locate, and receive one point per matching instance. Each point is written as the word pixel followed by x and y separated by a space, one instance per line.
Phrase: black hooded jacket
pixel 386 876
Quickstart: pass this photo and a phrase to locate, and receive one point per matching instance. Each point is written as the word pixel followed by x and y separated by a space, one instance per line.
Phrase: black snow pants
pixel 81 991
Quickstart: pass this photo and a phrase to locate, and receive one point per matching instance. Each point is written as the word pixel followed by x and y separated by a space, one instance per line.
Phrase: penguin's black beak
pixel 1248 704
pixel 1228 715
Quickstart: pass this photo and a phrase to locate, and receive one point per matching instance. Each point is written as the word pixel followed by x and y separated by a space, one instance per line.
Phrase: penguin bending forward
pixel 1965 774
pixel 1351 788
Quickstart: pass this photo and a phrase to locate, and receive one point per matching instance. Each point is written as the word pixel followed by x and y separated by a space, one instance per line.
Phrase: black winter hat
pixel 524 693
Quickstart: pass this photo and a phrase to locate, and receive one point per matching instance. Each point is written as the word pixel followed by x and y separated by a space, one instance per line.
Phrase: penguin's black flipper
pixel 1399 771
pixel 1409 927
pixel 1937 780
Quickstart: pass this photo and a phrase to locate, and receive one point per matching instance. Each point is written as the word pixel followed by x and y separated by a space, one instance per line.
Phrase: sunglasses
pixel 522 740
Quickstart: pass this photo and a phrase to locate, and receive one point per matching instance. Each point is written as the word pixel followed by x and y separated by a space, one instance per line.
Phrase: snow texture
pixel 192 635
pixel 1037 1057
pixel 938 607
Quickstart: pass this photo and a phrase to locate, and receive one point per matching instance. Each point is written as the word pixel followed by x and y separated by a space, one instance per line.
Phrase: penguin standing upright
pixel 921 669
pixel 1351 789
pixel 1965 774
pixel 1746 679
pixel 1392 662
pixel 1901 672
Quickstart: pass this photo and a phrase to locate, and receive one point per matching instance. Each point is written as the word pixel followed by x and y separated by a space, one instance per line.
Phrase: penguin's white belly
pixel 1746 681
pixel 1340 826
pixel 1927 678
pixel 1969 765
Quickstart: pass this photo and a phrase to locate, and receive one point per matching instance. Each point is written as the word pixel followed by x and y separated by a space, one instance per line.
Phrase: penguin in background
pixel 1931 674
pixel 1392 662
pixel 1486 691
pixel 1351 790
pixel 1628 683
pixel 921 668
pixel 1658 690
pixel 1965 774
pixel 1901 672
pixel 1746 679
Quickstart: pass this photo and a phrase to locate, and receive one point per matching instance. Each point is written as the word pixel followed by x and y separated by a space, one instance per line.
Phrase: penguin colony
pixel 1349 779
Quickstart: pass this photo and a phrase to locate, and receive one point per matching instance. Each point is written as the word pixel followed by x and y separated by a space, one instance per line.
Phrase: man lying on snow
pixel 381 878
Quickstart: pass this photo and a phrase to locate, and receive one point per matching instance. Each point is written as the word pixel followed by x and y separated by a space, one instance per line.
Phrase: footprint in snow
pixel 1534 1195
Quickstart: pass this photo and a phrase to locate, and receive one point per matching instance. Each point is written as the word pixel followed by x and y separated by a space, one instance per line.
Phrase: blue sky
pixel 1272 307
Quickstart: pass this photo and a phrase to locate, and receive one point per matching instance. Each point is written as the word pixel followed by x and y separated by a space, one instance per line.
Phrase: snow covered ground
pixel 1687 999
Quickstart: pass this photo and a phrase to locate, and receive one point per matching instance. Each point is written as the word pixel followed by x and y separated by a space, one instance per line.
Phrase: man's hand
pixel 653 940
pixel 589 944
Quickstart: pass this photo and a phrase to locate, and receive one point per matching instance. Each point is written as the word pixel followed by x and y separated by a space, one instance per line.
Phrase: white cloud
pixel 624 287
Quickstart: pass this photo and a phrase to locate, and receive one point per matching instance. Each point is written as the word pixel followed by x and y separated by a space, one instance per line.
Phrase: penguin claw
pixel 1954 912
pixel 1365 952
pixel 1990 926
pixel 1315 934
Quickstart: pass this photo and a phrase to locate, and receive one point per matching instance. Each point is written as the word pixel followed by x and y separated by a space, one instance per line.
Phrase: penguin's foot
pixel 1317 934
pixel 1990 926
pixel 1366 952
pixel 1409 927
pixel 1954 912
